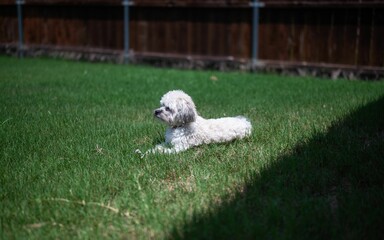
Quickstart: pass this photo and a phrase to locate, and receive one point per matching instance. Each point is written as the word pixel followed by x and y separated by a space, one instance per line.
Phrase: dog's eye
pixel 167 109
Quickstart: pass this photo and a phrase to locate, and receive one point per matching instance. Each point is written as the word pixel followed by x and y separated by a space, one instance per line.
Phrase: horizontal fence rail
pixel 317 33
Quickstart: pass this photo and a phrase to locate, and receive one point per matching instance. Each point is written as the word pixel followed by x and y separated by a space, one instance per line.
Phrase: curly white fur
pixel 187 129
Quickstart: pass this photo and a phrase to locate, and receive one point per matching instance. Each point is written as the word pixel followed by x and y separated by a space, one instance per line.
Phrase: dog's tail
pixel 247 125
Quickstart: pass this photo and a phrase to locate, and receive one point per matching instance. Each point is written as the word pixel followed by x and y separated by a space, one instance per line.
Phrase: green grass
pixel 312 169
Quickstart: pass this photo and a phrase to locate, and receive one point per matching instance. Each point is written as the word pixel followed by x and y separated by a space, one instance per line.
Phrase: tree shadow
pixel 331 187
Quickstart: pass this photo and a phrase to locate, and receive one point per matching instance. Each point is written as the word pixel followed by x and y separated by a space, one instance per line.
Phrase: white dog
pixel 187 129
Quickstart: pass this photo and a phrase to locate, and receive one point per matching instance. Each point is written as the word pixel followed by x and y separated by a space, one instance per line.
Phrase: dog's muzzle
pixel 157 112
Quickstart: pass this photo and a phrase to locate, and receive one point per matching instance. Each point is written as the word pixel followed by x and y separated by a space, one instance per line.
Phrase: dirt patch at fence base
pixel 333 71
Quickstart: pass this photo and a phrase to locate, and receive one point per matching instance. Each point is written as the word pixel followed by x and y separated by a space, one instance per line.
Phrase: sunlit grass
pixel 68 132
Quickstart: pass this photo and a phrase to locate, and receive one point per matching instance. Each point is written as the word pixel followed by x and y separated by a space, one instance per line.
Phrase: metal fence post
pixel 255 31
pixel 126 56
pixel 20 50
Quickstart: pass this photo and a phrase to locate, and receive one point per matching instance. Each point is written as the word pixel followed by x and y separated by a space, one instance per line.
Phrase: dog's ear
pixel 187 111
pixel 190 115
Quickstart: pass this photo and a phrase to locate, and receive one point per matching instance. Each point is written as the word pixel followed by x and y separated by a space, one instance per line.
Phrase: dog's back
pixel 224 129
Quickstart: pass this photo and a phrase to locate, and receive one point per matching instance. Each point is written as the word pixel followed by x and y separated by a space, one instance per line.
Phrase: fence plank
pixel 377 49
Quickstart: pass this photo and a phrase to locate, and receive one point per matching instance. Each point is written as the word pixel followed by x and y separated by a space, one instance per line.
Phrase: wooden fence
pixel 347 33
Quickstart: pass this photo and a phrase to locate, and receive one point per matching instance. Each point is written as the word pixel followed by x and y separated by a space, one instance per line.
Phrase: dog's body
pixel 187 129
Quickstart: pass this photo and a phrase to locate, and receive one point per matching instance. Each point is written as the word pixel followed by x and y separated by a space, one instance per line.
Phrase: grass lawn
pixel 312 169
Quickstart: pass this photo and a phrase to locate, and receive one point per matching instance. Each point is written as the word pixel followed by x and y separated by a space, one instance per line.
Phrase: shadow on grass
pixel 331 187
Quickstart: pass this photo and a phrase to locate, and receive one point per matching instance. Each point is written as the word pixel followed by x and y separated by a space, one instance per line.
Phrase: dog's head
pixel 177 109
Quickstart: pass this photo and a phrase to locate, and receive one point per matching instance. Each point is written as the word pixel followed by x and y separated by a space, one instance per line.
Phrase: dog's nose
pixel 157 111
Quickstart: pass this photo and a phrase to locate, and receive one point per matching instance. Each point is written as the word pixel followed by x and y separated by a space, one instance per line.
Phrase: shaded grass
pixel 68 131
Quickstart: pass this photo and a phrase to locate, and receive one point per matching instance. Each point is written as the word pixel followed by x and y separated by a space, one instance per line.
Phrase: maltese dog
pixel 187 129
